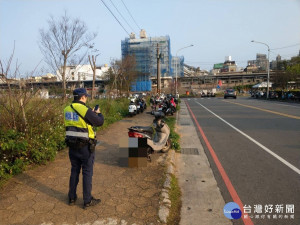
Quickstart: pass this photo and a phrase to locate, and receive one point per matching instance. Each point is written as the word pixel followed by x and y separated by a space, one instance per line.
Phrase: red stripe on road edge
pixel 232 191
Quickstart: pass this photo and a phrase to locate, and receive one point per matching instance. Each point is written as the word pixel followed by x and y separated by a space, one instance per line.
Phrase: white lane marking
pixel 254 141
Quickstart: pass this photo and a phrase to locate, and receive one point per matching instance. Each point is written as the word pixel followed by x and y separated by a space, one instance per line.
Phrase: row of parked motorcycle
pixel 137 105
pixel 157 135
pixel 167 104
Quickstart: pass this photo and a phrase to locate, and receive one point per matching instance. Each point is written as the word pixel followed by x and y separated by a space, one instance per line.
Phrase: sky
pixel 216 28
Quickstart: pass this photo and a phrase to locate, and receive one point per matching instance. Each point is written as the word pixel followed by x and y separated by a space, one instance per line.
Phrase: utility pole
pixel 158 69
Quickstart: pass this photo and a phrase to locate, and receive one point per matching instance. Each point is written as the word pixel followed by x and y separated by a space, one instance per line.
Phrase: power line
pixel 115 17
pixel 286 47
pixel 285 55
pixel 121 15
pixel 131 15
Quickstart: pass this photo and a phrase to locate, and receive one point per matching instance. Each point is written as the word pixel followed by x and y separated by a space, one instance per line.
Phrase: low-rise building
pixel 83 73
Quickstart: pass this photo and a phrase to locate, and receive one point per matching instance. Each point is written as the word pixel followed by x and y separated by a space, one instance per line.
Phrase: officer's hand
pixel 97 111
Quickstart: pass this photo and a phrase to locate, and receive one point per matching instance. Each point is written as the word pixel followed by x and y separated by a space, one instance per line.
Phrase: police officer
pixel 81 140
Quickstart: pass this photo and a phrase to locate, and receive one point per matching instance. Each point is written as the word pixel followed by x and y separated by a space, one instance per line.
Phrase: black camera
pixel 96 107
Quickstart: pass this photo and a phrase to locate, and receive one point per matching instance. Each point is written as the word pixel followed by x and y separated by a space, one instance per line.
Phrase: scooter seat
pixel 142 129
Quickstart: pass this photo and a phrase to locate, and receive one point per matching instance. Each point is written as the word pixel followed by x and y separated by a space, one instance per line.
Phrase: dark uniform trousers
pixel 81 158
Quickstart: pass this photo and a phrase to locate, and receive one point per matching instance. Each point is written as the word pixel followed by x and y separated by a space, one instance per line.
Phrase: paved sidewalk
pixel 202 202
pixel 129 195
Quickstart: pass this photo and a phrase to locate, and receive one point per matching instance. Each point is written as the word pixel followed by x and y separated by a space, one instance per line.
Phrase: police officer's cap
pixel 80 92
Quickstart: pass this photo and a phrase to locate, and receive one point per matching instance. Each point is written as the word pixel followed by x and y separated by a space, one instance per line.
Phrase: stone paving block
pixel 140 214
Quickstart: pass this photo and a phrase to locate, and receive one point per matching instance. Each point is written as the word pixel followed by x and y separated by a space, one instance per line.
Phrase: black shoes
pixel 93 202
pixel 72 201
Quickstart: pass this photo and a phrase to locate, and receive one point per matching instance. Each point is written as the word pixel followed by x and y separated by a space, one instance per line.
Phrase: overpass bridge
pixel 246 77
pixel 54 83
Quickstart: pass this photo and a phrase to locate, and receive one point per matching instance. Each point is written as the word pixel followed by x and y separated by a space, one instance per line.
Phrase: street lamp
pixel 268 66
pixel 176 63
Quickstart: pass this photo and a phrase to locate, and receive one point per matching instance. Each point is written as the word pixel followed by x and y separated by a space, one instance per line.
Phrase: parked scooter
pixel 142 104
pixel 167 106
pixel 132 109
pixel 160 141
pixel 154 104
pixel 173 105
pixel 138 107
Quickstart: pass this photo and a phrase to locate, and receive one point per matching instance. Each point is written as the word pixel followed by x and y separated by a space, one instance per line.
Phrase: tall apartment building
pixel 261 61
pixel 274 64
pixel 145 51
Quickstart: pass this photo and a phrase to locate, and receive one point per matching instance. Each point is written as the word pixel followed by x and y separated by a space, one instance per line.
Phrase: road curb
pixel 165 202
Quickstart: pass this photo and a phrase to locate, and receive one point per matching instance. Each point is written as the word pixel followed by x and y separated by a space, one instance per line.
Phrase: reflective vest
pixel 75 125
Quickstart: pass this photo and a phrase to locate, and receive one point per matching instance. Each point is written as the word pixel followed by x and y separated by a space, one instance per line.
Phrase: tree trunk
pixel 23 114
pixel 93 65
pixel 64 86
pixel 12 108
pixel 93 87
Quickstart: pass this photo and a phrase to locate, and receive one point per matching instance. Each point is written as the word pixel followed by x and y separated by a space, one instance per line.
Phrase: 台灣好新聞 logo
pixel 232 211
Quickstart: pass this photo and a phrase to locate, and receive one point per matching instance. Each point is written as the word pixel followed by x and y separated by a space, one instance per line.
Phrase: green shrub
pixel 13 153
pixel 44 135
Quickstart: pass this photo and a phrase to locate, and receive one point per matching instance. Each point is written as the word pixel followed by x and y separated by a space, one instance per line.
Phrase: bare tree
pixel 5 72
pixel 121 74
pixel 113 75
pixel 14 99
pixel 129 73
pixel 65 42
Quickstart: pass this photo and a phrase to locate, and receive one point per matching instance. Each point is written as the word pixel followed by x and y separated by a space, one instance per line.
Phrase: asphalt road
pixel 258 144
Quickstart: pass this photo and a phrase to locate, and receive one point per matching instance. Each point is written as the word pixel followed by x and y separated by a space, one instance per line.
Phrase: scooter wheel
pixel 167 147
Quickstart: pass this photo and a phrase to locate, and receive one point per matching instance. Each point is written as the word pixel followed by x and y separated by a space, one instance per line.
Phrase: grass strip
pixel 171 121
pixel 175 197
